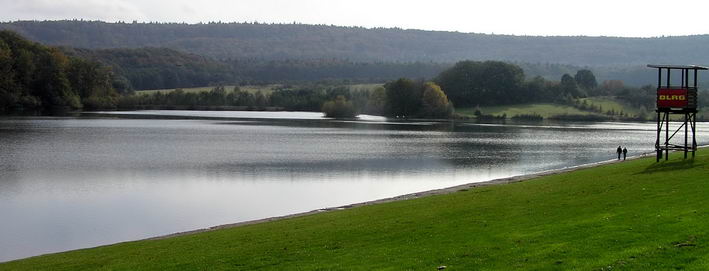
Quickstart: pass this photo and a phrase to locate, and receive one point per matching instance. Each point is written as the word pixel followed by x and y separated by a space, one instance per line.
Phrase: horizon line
pixel 344 26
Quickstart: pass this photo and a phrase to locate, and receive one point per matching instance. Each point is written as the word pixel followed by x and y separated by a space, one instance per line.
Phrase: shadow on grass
pixel 663 166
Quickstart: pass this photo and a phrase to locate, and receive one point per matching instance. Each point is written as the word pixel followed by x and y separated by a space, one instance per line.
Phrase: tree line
pixel 466 84
pixel 473 83
pixel 402 98
pixel 36 77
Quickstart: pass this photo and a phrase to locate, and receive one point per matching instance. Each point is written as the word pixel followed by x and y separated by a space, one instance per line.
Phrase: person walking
pixel 625 152
pixel 619 151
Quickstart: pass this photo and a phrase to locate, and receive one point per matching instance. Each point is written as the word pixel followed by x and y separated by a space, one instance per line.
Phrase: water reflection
pixel 68 183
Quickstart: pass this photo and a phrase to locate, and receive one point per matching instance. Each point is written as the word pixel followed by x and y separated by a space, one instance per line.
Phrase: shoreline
pixel 433 192
pixel 607 210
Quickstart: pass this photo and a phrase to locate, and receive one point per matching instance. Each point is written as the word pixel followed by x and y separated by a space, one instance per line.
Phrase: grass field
pixel 267 89
pixel 544 109
pixel 547 110
pixel 633 215
pixel 610 103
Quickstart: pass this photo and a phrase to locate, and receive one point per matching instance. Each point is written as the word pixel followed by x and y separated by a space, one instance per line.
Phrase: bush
pixel 533 116
pixel 96 103
pixel 339 108
pixel 574 117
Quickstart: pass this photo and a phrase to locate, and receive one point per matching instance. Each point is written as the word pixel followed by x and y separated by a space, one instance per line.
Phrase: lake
pixel 96 179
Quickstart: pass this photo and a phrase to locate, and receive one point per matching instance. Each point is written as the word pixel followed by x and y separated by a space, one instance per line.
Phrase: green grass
pixel 544 109
pixel 634 215
pixel 610 103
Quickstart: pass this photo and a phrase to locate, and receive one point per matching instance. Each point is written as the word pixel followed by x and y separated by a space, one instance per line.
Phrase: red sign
pixel 676 98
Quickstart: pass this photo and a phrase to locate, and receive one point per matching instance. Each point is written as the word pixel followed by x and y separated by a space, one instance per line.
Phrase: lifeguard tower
pixel 677 99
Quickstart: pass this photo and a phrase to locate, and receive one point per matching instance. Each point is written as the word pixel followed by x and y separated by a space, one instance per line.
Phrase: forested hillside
pixel 34 77
pixel 163 68
pixel 298 41
pixel 158 68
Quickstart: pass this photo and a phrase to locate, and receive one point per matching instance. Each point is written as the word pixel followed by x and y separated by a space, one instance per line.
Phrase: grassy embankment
pixel 545 110
pixel 610 103
pixel 636 215
pixel 550 110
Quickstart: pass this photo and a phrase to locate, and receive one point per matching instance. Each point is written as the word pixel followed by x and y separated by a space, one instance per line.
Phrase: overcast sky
pixel 531 17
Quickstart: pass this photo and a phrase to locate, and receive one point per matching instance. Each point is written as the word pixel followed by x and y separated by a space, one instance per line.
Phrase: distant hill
pixel 299 41
pixel 154 68
pixel 164 68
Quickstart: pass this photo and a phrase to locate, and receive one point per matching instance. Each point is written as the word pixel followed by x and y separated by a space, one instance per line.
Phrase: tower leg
pixel 658 151
pixel 667 135
pixel 686 120
pixel 694 132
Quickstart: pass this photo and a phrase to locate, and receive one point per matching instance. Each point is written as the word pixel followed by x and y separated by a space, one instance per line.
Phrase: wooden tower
pixel 678 99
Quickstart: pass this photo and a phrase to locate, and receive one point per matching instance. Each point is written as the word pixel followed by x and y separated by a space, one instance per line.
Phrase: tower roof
pixel 689 67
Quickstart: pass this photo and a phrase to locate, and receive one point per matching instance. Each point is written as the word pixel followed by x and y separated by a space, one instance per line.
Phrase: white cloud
pixel 68 9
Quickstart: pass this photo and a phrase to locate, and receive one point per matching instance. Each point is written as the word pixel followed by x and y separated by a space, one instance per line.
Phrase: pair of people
pixel 623 151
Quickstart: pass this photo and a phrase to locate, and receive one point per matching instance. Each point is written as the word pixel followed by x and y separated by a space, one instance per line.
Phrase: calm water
pixel 74 182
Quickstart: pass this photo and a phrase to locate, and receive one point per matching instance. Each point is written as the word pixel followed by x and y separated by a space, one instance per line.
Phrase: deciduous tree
pixel 403 98
pixel 585 79
pixel 340 107
pixel 435 102
pixel 469 83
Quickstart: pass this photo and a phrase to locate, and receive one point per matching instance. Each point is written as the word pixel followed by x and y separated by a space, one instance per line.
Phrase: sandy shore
pixel 441 191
